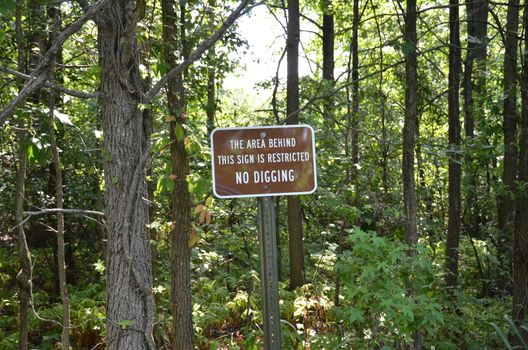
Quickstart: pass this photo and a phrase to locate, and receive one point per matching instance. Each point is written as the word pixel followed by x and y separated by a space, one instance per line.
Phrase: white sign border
pixel 264 194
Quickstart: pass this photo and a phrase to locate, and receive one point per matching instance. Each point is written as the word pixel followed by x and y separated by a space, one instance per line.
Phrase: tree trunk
pixel 354 117
pixel 295 229
pixel 328 42
pixel 61 262
pixel 506 199
pixel 351 133
pixel 24 275
pixel 210 108
pixel 181 303
pixel 454 211
pixel 130 301
pixel 211 93
pixel 55 16
pixel 475 64
pixel 409 132
pixel 520 242
pixel 474 83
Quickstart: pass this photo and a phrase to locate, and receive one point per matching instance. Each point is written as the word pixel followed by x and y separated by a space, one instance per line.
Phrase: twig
pixel 30 214
pixel 67 91
pixel 39 76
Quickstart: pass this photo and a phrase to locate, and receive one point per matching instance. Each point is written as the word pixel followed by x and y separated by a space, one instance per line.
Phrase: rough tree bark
pixel 409 126
pixel 295 229
pixel 130 301
pixel 506 201
pixel 328 42
pixel 354 112
pixel 455 171
pixel 409 132
pixel 175 47
pixel 520 242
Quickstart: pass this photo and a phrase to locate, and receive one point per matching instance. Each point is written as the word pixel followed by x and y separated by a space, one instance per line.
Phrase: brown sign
pixel 263 161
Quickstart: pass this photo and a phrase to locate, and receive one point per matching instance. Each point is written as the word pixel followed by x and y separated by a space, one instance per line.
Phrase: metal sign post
pixel 269 272
pixel 265 161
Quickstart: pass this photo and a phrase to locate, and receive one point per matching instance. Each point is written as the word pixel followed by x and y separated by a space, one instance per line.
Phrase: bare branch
pixel 62 89
pixel 209 42
pixel 40 75
pixel 30 214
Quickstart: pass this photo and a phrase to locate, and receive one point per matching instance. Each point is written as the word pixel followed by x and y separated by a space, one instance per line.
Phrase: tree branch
pixel 51 85
pixel 30 214
pixel 40 75
pixel 209 42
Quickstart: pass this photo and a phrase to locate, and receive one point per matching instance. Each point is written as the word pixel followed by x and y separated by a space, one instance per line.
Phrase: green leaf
pixel 515 329
pixel 124 324
pixel 503 336
pixel 7 6
pixel 30 152
pixel 99 266
pixel 354 315
pixel 408 48
pixel 180 133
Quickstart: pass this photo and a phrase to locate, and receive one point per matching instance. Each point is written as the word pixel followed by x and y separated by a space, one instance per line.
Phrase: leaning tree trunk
pixel 130 301
pixel 455 173
pixel 509 124
pixel 181 303
pixel 295 229
pixel 520 242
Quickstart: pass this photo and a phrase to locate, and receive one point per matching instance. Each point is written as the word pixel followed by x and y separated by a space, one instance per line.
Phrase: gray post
pixel 269 273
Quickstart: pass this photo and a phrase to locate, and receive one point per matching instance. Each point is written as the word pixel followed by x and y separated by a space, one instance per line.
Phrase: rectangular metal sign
pixel 263 161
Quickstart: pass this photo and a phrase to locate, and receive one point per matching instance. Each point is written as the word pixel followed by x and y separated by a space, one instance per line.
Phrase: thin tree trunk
pixel 328 42
pixel 520 247
pixel 181 303
pixel 354 117
pixel 328 110
pixel 506 205
pixel 351 132
pixel 455 171
pixel 24 275
pixel 211 93
pixel 55 15
pixel 409 127
pixel 130 301
pixel 409 133
pixel 474 83
pixel 295 229
pixel 61 262
pixel 211 77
